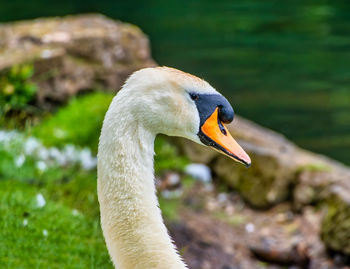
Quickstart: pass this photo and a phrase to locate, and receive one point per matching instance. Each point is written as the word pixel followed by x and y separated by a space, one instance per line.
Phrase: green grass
pixel 72 241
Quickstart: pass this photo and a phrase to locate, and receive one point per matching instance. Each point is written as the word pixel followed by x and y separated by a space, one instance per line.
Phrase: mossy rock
pixel 335 229
pixel 279 169
pixel 265 183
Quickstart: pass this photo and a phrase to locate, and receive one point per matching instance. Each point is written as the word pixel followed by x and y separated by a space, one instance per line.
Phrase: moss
pixel 256 191
pixel 314 167
pixel 264 184
pixel 78 123
pixel 335 230
pixel 234 220
pixel 259 189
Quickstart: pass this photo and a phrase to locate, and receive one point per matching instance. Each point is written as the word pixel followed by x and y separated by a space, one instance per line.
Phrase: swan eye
pixel 194 96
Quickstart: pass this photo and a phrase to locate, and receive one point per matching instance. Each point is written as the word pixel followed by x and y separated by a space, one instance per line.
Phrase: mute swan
pixel 152 100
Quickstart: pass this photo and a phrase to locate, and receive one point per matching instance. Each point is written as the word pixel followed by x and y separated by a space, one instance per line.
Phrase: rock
pixel 335 229
pixel 74 53
pixel 329 188
pixel 197 252
pixel 314 184
pixel 280 170
pixel 295 254
pixel 276 163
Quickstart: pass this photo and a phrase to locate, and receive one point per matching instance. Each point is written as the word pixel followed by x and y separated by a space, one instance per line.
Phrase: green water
pixel 284 64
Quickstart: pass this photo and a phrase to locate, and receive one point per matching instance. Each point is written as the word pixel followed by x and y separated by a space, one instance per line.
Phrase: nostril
pixel 222 129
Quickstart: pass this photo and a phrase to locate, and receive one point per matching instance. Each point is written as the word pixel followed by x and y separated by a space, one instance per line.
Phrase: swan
pixel 152 101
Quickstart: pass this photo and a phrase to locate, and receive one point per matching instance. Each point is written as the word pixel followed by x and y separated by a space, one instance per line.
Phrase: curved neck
pixel 132 224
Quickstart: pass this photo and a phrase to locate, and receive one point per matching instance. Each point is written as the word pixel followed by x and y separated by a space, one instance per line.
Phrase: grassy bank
pixel 48 203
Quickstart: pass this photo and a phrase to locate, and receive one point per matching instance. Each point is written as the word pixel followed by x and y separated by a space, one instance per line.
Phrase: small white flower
pixel 7 136
pixel 2 136
pixel 19 161
pixel 199 171
pixel 43 153
pixel 31 145
pixel 70 153
pixel 249 227
pixel 41 166
pixel 75 212
pixel 56 155
pixel 40 200
pixel 86 160
pixel 45 233
pixel 25 222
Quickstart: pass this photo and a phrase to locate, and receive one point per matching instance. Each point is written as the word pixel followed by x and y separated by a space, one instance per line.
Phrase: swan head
pixel 175 103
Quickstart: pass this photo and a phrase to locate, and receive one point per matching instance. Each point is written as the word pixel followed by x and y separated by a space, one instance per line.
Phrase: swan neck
pixel 131 220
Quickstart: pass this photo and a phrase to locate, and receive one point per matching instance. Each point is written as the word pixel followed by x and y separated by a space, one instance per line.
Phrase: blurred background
pixel 283 65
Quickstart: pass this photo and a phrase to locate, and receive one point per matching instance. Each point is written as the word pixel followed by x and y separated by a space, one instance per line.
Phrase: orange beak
pixel 214 129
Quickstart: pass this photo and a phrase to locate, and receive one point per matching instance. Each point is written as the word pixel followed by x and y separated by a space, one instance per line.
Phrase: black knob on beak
pixel 226 112
pixel 207 103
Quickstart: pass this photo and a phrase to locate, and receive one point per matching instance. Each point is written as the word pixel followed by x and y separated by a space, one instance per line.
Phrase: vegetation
pixel 167 156
pixel 17 92
pixel 52 236
pixel 69 126
pixel 65 232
